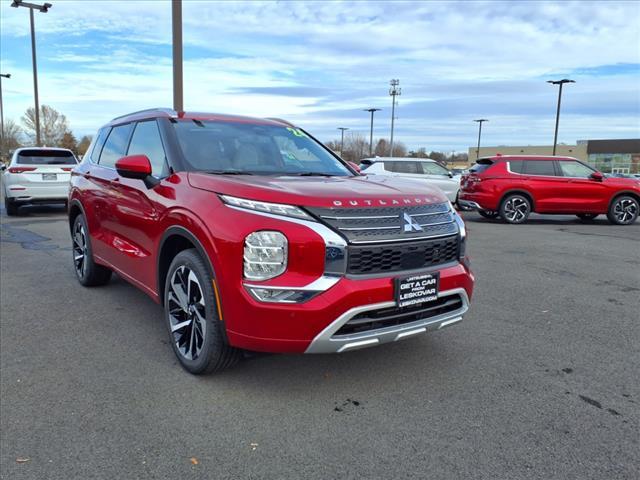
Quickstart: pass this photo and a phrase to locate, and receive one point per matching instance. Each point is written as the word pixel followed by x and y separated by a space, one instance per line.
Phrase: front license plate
pixel 417 289
pixel 49 176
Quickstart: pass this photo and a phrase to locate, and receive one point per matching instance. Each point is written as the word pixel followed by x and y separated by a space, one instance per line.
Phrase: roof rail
pixel 170 111
pixel 280 120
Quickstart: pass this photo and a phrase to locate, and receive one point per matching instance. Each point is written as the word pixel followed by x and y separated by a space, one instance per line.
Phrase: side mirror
pixel 450 174
pixel 355 166
pixel 3 167
pixel 136 167
pixel 597 176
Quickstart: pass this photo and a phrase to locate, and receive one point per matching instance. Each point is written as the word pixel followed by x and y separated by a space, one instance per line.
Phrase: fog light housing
pixel 275 295
pixel 265 255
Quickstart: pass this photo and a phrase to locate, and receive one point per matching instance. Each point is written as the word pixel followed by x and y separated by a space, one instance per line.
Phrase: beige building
pixel 578 151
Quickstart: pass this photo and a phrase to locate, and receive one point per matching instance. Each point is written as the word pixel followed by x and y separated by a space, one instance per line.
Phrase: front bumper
pixel 313 326
pixel 330 341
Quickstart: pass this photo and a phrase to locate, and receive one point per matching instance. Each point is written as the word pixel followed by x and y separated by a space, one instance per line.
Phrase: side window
pixel 432 168
pixel 539 167
pixel 97 145
pixel 574 169
pixel 115 146
pixel 390 166
pixel 146 141
pixel 407 167
pixel 516 166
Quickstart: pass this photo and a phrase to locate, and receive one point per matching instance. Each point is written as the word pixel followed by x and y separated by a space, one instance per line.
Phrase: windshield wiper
pixel 227 172
pixel 309 174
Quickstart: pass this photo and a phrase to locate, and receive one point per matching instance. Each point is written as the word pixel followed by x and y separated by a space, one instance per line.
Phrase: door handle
pixel 86 174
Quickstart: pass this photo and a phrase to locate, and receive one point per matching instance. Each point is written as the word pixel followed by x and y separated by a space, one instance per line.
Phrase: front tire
pixel 191 313
pixel 623 210
pixel 88 272
pixel 515 209
pixel 490 214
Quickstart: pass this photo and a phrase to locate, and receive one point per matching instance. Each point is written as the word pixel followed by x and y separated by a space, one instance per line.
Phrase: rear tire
pixel 88 272
pixel 623 210
pixel 11 207
pixel 515 209
pixel 587 217
pixel 490 214
pixel 191 313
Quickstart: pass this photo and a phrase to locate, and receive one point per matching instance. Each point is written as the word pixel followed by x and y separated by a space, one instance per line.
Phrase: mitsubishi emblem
pixel 410 225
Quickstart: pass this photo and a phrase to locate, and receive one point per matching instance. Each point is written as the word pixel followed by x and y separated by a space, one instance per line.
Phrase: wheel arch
pixel 174 240
pixel 519 191
pixel 75 209
pixel 629 193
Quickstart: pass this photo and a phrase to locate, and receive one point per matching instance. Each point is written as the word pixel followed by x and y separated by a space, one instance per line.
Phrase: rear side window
pixel 97 145
pixel 146 141
pixel 516 166
pixel 480 167
pixel 115 146
pixel 402 167
pixel 45 157
pixel 539 167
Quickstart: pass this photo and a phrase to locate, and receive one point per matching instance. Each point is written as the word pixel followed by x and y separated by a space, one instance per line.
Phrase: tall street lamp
pixel 394 91
pixel 342 129
pixel 372 111
pixel 44 8
pixel 2 75
pixel 480 120
pixel 558 82
pixel 176 24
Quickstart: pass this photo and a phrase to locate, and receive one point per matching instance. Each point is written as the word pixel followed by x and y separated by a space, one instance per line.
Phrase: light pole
pixel 372 111
pixel 176 24
pixel 2 75
pixel 342 129
pixel 480 120
pixel 44 8
pixel 394 91
pixel 558 82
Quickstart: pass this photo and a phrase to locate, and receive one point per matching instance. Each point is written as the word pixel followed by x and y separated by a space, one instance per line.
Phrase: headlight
pixel 265 255
pixel 274 208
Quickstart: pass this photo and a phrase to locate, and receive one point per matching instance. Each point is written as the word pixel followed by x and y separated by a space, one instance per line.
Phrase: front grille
pixel 392 316
pixel 385 224
pixel 397 257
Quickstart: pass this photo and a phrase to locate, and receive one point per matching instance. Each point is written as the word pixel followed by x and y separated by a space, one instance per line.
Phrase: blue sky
pixel 320 63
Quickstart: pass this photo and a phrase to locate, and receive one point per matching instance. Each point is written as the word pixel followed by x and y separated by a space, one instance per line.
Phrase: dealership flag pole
pixel 176 17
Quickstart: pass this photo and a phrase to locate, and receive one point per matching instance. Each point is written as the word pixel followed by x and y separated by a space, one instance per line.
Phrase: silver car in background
pixel 423 169
pixel 37 175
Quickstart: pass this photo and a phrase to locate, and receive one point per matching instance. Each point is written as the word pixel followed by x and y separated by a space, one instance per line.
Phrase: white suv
pixel 424 169
pixel 37 175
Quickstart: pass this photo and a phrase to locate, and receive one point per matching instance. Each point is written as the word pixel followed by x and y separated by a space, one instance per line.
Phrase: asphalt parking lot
pixel 539 381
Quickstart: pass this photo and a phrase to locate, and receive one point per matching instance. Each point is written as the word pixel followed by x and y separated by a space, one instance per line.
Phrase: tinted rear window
pixel 45 157
pixel 516 166
pixel 480 167
pixel 539 167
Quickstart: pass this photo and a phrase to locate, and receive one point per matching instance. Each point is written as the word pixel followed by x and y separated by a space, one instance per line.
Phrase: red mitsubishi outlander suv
pixel 254 236
pixel 511 187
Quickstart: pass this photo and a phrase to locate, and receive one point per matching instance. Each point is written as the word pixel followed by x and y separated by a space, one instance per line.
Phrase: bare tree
pixel 383 148
pixel 11 138
pixel 53 125
pixel 69 141
pixel 83 144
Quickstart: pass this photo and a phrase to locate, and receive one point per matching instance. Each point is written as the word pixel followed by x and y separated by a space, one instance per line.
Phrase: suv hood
pixel 361 191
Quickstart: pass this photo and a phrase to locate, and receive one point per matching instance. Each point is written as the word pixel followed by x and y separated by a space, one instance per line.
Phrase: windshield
pixel 249 148
pixel 45 157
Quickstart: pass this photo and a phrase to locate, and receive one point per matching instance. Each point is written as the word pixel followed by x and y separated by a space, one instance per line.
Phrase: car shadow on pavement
pixel 35 211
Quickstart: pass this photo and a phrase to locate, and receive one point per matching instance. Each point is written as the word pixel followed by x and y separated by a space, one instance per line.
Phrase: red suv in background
pixel 254 236
pixel 512 187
